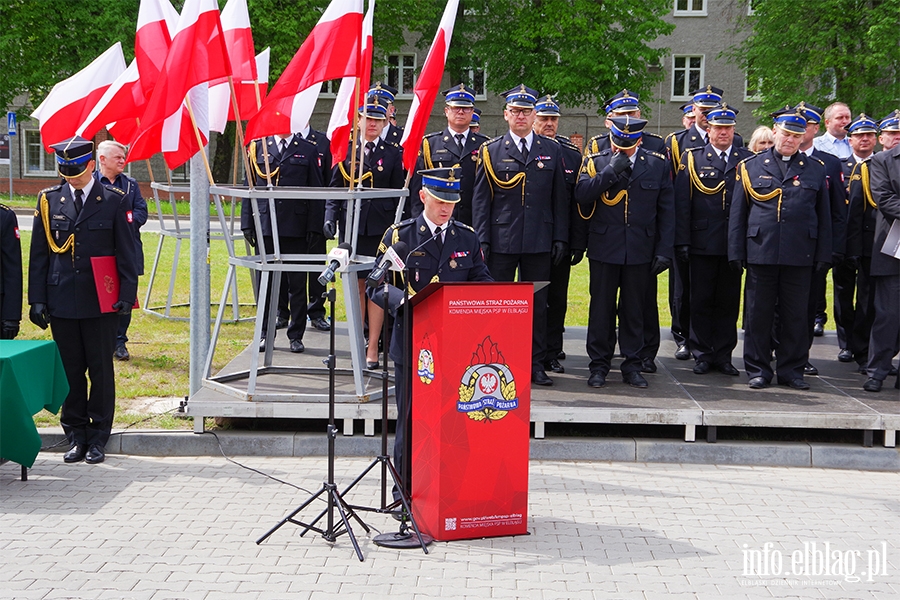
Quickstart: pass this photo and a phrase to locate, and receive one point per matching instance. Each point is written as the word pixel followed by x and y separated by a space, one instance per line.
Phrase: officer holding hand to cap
pixel 520 209
pixel 624 104
pixel 76 221
pixel 626 195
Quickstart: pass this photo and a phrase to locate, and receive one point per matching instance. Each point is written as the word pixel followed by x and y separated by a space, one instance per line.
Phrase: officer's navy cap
pixel 792 121
pixel 890 122
pixel 476 115
pixel 521 97
pixel 461 95
pixel 626 131
pixel 722 115
pixel 73 155
pixel 707 97
pixel 383 91
pixel 442 183
pixel 623 102
pixel 812 113
pixel 862 124
pixel 547 107
pixel 687 108
pixel 376 108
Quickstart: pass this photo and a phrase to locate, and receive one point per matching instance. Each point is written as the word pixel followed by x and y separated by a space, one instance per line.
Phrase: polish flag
pixel 341 123
pixel 157 21
pixel 71 101
pixel 119 108
pixel 197 55
pixel 427 87
pixel 331 51
pixel 248 99
pixel 239 41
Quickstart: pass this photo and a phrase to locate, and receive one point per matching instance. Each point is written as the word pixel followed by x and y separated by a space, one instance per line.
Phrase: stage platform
pixel 676 396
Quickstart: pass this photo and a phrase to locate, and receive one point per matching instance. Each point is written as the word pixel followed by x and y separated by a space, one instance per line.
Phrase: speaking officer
pixel 780 229
pixel 291 162
pixel 703 192
pixel 624 104
pixel 452 255
pixel 456 145
pixel 884 179
pixel 76 221
pixel 546 123
pixel 10 274
pixel 520 209
pixel 626 194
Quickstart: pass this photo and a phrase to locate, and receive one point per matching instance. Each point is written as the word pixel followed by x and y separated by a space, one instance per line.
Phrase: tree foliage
pixel 823 50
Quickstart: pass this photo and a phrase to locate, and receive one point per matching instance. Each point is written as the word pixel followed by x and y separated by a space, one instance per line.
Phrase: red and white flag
pixel 157 21
pixel 71 101
pixel 341 123
pixel 239 41
pixel 197 55
pixel 427 87
pixel 220 109
pixel 331 51
pixel 119 109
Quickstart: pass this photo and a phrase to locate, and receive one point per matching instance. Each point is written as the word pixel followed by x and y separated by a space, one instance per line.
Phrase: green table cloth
pixel 31 378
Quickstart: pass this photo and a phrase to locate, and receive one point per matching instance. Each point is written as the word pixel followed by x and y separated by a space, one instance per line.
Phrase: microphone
pixel 393 259
pixel 340 258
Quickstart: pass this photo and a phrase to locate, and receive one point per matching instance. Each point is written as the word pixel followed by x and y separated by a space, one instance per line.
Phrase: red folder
pixel 106 280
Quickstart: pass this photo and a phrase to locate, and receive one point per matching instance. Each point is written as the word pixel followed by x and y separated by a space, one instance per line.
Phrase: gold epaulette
pixel 819 160
pixel 4 207
pixel 464 226
pixel 655 153
pixel 51 188
pixel 651 134
pixel 113 188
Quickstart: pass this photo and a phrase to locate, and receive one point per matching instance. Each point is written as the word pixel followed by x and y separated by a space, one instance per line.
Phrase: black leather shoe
pixel 320 323
pixel 702 368
pixel 648 365
pixel 797 384
pixel 75 454
pixel 281 323
pixel 727 369
pixel 818 329
pixel 809 369
pixel 297 346
pixel 95 454
pixel 596 380
pixel 682 353
pixel 539 377
pixel 758 383
pixel 845 355
pixel 634 379
pixel 553 365
pixel 262 343
pixel 371 364
pixel 561 356
pixel 121 353
pixel 872 385
pixel 862 370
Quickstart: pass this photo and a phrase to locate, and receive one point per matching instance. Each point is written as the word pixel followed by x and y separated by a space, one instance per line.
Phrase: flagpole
pixel 209 174
pixel 354 134
pixel 240 133
pixel 265 152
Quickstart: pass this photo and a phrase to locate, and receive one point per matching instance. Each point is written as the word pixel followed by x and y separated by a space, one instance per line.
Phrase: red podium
pixel 471 408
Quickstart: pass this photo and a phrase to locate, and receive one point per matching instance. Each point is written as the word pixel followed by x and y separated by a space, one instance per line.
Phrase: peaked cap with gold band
pixel 73 155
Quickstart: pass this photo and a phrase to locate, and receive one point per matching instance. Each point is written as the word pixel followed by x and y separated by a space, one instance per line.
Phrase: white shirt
pixel 432 227
pixel 518 140
pixel 86 190
pixel 830 144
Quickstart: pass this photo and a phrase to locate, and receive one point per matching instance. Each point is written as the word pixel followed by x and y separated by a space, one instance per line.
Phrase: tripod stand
pixel 329 489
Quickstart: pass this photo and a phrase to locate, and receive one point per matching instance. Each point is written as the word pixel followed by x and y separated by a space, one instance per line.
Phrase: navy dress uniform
pixel 10 274
pixel 884 342
pixel 630 205
pixel 291 162
pixel 450 148
pixel 625 103
pixel 780 227
pixel 521 212
pixel 704 189
pixel 72 225
pixel 391 134
pixel 452 255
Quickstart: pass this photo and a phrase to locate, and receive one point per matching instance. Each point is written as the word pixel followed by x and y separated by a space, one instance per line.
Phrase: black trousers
pixel 788 289
pixel 557 304
pixel 316 307
pixel 87 345
pixel 680 301
pixel 715 305
pixel 122 331
pixel 817 287
pixel 296 284
pixel 629 283
pixel 863 313
pixel 651 319
pixel 531 267
pixel 884 343
pixel 843 277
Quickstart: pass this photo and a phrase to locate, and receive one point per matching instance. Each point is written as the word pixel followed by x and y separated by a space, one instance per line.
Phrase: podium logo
pixel 425 366
pixel 487 390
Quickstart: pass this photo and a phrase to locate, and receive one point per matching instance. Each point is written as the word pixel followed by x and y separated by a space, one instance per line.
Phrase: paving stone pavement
pixel 185 527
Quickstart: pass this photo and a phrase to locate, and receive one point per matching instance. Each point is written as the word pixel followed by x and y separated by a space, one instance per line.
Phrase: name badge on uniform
pixel 58 217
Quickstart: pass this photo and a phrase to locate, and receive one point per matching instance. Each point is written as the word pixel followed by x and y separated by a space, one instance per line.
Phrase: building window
pixel 38 162
pixel 752 87
pixel 687 76
pixel 477 80
pixel 750 10
pixel 330 88
pixel 690 8
pixel 400 73
pixel 182 173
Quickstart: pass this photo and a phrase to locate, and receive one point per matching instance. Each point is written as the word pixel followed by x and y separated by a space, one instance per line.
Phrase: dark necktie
pixel 438 239
pixel 283 147
pixel 370 146
pixel 79 200
pixel 524 149
pixel 724 158
pixel 459 141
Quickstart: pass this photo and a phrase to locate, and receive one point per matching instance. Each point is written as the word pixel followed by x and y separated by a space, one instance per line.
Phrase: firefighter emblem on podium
pixel 487 390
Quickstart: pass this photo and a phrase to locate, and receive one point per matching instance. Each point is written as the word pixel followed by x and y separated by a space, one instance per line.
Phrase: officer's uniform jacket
pixel 297 167
pixel 62 244
pixel 439 149
pixel 393 135
pixel 703 194
pixel 861 217
pixel 382 168
pixel 837 194
pixel 884 169
pixel 138 207
pixel 649 141
pixel 519 206
pixel 10 266
pixel 685 139
pixel 323 145
pixel 780 220
pixel 632 215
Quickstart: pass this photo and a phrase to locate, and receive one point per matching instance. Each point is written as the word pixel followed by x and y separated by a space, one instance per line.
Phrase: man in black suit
pixel 10 274
pixel 455 145
pixel 285 160
pixel 704 189
pixel 77 221
pixel 780 230
pixel 520 209
pixel 626 193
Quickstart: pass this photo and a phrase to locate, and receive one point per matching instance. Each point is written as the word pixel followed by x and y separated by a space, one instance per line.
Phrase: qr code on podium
pixel 450 524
